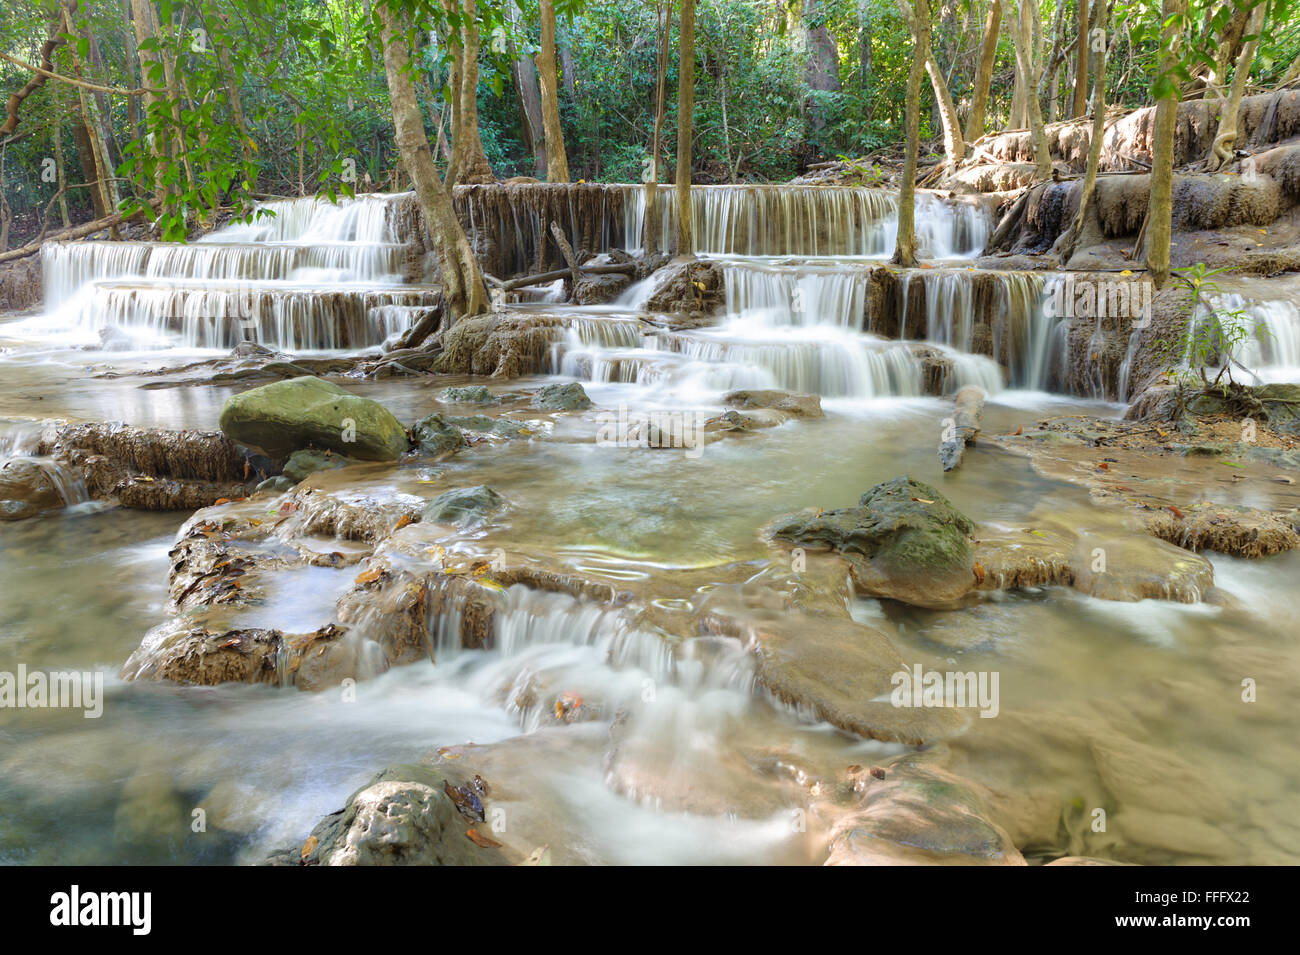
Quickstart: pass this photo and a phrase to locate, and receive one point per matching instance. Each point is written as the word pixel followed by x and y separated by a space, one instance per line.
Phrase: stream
pixel 1122 706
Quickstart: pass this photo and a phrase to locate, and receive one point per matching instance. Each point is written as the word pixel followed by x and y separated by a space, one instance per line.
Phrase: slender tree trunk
pixel 984 74
pixel 650 227
pixel 1159 224
pixel 557 160
pixel 524 73
pixel 474 166
pixel 905 248
pixel 60 174
pixel 157 134
pixel 685 116
pixel 953 143
pixel 1033 109
pixel 1081 63
pixel 1065 245
pixel 462 282
pixel 1229 115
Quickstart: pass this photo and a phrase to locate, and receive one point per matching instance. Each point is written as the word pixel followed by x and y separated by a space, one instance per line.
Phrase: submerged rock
pixel 904 540
pixel 921 815
pixel 485 424
pixel 468 395
pixel 434 435
pixel 798 406
pixel 566 397
pixel 286 416
pixel 464 505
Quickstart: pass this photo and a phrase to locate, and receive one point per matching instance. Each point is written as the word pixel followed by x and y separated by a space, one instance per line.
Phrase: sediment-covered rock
pixel 689 288
pixel 434 435
pixel 26 490
pixel 500 346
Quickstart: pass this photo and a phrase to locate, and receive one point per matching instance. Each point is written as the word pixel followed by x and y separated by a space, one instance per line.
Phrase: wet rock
pixel 306 462
pixel 285 416
pixel 434 435
pixel 565 397
pixel 921 815
pixel 464 505
pixel 904 540
pixel 468 395
pixel 26 490
pixel 798 406
pixel 404 816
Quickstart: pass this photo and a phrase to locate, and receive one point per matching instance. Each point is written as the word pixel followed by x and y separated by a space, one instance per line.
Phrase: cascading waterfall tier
pixel 302 274
pixel 765 220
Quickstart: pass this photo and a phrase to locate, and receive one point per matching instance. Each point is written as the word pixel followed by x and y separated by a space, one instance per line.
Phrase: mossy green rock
pixel 306 412
pixel 904 540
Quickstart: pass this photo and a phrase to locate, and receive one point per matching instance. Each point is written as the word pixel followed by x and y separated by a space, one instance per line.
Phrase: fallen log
pixel 76 232
pixel 961 429
pixel 619 268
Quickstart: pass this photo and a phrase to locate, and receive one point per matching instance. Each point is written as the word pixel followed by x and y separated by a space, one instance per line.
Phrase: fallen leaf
pixel 979 572
pixel 1177 512
pixel 309 846
pixel 482 841
pixel 370 576
pixel 402 522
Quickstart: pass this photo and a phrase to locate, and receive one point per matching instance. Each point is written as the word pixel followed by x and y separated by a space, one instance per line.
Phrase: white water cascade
pixel 304 275
pixel 1270 345
pixel 764 220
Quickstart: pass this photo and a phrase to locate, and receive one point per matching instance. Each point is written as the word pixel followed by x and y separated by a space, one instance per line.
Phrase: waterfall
pixel 303 274
pixel 807 221
pixel 1271 346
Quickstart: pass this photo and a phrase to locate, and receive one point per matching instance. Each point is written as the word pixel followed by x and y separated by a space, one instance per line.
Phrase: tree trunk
pixel 905 247
pixel 1159 223
pixel 953 143
pixel 650 227
pixel 474 166
pixel 1221 150
pixel 1081 63
pixel 1066 244
pixel 462 282
pixel 524 73
pixel 822 70
pixel 157 138
pixel 984 74
pixel 557 160
pixel 1033 109
pixel 685 115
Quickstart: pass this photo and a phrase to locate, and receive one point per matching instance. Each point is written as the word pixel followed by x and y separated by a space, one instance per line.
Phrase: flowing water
pixel 1089 688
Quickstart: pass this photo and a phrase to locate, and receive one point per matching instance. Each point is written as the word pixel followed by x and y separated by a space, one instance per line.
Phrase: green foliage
pixel 1211 335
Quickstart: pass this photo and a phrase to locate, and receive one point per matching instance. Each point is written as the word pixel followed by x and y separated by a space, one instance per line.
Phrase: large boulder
pixel 286 416
pixel 903 540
